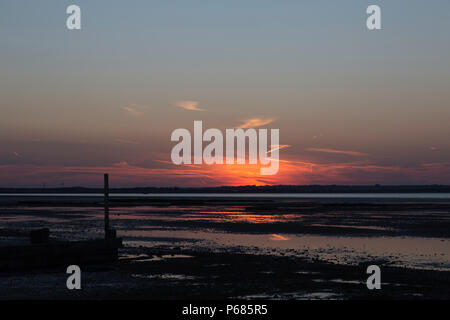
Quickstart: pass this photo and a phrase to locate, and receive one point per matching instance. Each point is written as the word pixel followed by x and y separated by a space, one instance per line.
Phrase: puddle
pixel 164 276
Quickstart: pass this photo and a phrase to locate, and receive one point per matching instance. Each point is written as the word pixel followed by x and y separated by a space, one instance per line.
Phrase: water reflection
pixel 396 237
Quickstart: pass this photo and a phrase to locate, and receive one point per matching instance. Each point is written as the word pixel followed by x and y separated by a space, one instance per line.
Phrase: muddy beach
pixel 225 248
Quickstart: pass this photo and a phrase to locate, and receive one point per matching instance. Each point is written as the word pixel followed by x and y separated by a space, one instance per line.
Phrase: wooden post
pixel 106 204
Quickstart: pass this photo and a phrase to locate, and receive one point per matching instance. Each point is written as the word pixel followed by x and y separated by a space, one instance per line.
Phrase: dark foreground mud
pixel 168 273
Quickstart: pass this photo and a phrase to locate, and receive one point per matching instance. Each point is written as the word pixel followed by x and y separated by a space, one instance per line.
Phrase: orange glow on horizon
pixel 290 172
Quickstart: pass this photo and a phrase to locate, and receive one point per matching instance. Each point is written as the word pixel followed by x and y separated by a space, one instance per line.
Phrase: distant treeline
pixel 247 189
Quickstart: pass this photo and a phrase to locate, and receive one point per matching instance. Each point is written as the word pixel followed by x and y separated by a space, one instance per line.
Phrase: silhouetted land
pixel 249 189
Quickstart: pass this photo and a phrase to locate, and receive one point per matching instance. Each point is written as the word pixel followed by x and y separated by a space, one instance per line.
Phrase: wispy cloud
pixel 122 164
pixel 317 136
pixel 346 152
pixel 133 110
pixel 278 147
pixel 256 122
pixel 291 173
pixel 188 105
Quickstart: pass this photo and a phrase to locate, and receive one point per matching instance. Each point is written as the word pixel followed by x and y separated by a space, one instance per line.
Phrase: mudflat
pixel 231 247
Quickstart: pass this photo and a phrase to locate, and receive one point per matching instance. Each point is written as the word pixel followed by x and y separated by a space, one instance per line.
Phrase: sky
pixel 353 106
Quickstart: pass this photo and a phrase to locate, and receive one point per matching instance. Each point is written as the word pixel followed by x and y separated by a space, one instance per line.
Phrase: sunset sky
pixel 353 106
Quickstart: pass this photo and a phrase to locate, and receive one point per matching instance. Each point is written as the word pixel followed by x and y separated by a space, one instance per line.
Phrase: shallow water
pixel 412 252
pixel 349 236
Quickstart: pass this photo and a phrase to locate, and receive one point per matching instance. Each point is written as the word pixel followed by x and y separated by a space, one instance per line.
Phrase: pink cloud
pixel 188 105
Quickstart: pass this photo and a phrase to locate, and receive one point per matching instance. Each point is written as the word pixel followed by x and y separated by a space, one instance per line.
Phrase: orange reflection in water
pixel 258 218
pixel 278 237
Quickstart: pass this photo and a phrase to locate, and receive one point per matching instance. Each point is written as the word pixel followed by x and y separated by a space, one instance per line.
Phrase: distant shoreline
pixel 244 189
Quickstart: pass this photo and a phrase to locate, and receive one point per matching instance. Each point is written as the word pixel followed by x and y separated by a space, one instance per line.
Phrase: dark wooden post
pixel 106 204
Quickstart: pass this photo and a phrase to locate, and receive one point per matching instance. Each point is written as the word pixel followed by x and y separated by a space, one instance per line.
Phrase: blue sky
pixel 311 65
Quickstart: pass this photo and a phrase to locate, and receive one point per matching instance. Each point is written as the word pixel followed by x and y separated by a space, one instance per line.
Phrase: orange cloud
pixel 188 105
pixel 256 122
pixel 291 172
